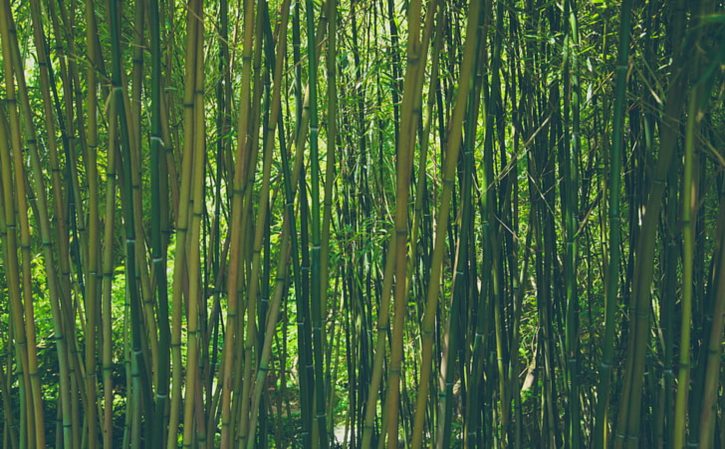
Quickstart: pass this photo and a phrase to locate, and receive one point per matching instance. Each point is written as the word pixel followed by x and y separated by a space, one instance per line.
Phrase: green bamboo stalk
pixel 399 252
pixel 63 199
pixel 72 126
pixel 250 339
pixel 182 221
pixel 303 115
pixel 13 281
pixel 196 203
pixel 383 326
pixel 93 273
pixel 689 198
pixel 644 251
pixel 40 208
pixel 107 265
pixel 453 144
pixel 473 431
pixel 321 441
pixel 271 319
pixel 44 64
pixel 452 343
pixel 569 203
pixel 667 318
pixel 228 430
pixel 9 431
pixel 306 361
pixel 492 234
pixel 601 428
pixel 252 247
pixel 708 409
pixel 141 391
pixel 694 301
pixel 132 103
pixel 330 10
pixel 12 65
pixel 331 65
pixel 157 245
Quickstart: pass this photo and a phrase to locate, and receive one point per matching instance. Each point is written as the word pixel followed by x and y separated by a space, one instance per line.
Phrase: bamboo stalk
pixel 141 388
pixel 453 145
pixel 228 430
pixel 629 414
pixel 689 202
pixel 34 405
pixel 157 244
pixel 708 409
pixel 601 429
pixel 196 204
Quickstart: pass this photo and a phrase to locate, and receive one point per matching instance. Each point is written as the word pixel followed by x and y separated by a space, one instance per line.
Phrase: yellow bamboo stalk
pixel 11 66
pixel 383 324
pixel 197 207
pixel 261 369
pixel 453 145
pixel 228 424
pixel 13 277
pixel 182 219
pixel 405 155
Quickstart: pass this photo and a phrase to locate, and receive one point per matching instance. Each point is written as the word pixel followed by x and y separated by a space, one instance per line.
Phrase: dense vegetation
pixel 363 224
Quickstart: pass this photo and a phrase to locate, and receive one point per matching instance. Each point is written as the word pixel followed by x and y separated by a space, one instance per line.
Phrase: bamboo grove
pixel 365 224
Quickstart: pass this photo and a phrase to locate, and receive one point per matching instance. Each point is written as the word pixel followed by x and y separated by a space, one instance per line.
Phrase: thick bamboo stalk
pixel 192 425
pixel 13 276
pixel 453 145
pixel 629 414
pixel 228 430
pixel 398 251
pixel 452 343
pixel 12 65
pixel 182 221
pixel 271 318
pixel 689 203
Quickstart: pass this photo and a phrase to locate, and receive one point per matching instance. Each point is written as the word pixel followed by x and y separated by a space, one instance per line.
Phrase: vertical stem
pixel 689 204
pixel 141 393
pixel 612 273
pixel 158 251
